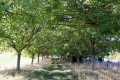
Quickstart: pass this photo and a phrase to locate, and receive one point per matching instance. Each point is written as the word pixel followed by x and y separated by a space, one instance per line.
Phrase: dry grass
pixel 85 72
pixel 38 71
pixel 28 72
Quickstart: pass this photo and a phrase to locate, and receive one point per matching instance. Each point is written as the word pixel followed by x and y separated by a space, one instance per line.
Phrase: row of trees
pixel 66 28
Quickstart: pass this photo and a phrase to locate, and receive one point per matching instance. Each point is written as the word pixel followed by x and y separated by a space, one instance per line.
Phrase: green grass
pixel 57 72
pixel 5 58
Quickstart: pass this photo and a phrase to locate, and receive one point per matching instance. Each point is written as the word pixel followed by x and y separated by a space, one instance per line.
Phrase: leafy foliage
pixel 61 27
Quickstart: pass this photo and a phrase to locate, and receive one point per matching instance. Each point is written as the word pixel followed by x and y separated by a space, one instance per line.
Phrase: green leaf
pixel 112 30
pixel 19 3
pixel 4 8
pixel 48 9
pixel 29 4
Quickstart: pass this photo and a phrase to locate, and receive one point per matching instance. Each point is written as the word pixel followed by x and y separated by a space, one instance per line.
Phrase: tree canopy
pixel 88 28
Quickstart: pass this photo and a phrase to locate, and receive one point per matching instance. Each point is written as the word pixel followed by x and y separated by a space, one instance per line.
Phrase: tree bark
pixel 32 61
pixel 18 60
pixel 78 61
pixel 93 62
pixel 42 57
pixel 71 61
pixel 67 59
pixel 62 58
pixel 107 64
pixel 118 64
pixel 38 58
pixel 93 52
pixel 47 56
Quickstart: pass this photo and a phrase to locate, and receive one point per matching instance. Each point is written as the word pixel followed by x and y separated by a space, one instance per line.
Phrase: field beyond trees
pixel 5 58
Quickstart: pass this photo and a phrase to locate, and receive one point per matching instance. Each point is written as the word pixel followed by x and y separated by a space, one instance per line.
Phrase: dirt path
pixel 57 71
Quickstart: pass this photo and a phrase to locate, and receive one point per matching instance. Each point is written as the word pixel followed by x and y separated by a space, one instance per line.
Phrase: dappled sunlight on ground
pixel 57 71
pixel 45 70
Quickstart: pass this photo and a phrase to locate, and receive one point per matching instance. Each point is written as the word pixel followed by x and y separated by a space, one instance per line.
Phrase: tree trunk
pixel 18 60
pixel 71 61
pixel 78 61
pixel 32 61
pixel 62 58
pixel 38 58
pixel 42 57
pixel 93 62
pixel 67 59
pixel 107 64
pixel 93 51
pixel 32 58
pixel 118 64
pixel 47 56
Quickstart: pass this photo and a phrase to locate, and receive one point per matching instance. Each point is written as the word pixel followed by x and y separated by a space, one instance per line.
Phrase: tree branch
pixel 9 11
